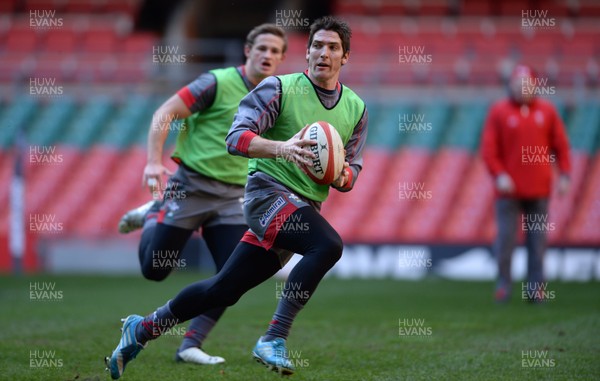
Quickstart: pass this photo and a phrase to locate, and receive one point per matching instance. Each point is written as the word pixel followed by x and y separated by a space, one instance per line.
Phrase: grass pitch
pixel 350 330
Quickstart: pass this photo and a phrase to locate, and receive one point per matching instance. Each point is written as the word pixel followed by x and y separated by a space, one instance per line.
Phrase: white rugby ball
pixel 329 151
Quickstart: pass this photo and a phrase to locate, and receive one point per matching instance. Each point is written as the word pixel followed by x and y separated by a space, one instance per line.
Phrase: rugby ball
pixel 329 151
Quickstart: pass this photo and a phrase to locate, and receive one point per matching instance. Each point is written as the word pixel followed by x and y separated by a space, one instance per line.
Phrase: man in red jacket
pixel 522 138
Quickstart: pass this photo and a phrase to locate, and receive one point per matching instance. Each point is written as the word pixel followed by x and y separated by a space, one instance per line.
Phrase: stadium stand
pixel 100 138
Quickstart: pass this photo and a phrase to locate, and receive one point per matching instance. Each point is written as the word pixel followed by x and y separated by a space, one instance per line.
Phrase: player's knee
pixel 226 296
pixel 230 299
pixel 152 274
pixel 331 247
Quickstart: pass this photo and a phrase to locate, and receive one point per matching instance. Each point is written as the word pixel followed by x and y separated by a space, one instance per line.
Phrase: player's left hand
pixel 342 178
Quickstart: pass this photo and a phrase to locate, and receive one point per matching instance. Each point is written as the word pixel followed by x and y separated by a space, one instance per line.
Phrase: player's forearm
pixel 264 148
pixel 173 109
pixel 354 153
pixel 157 136
pixel 256 114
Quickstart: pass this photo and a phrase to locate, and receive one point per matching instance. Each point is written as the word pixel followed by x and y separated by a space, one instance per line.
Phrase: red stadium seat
pixel 44 5
pixel 512 8
pixel 60 41
pixel 471 206
pixel 129 7
pixel 562 208
pixel 99 42
pixel 84 7
pixel 97 67
pixel 6 174
pixel 589 9
pixel 387 211
pixel 348 210
pixel 102 216
pixel 139 43
pixel 8 6
pixel 50 178
pixel 22 40
pixel 583 226
pixel 84 185
pixel 16 66
pixel 442 181
pixel 131 68
pixel 475 8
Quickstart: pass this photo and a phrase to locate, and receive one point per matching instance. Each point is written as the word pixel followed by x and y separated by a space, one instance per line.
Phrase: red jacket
pixel 525 142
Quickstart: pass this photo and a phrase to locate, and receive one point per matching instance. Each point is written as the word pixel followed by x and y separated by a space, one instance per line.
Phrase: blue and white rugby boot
pixel 273 355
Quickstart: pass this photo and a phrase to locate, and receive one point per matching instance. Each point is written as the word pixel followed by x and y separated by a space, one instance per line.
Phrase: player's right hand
pixel 297 149
pixel 504 183
pixel 153 174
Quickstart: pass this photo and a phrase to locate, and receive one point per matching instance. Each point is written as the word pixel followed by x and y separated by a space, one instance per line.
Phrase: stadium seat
pixel 8 6
pixel 15 67
pixel 88 123
pixel 6 172
pixel 133 68
pixel 64 41
pixel 584 127
pixel 85 183
pixel 15 117
pixel 96 67
pixel 465 128
pixel 128 7
pixel 122 129
pixel 102 216
pixel 21 39
pixel 384 131
pixel 139 43
pixel 589 9
pixel 562 208
pixel 85 7
pixel 434 113
pixel 50 122
pixel 583 226
pixel 387 214
pixel 351 208
pixel 442 181
pixel 472 204
pixel 50 178
pixel 475 8
pixel 99 41
pixel 44 5
pixel 56 66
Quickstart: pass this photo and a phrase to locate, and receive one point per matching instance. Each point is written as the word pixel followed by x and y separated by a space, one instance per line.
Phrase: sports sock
pixel 155 324
pixel 199 328
pixel 284 316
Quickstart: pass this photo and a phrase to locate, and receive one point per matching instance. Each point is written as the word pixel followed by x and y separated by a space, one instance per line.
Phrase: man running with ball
pixel 207 189
pixel 267 128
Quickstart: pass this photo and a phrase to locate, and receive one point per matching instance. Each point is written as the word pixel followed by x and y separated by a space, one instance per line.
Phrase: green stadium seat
pixel 50 122
pixel 435 115
pixel 120 131
pixel 86 125
pixel 465 128
pixel 384 131
pixel 15 117
pixel 140 135
pixel 583 127
pixel 561 107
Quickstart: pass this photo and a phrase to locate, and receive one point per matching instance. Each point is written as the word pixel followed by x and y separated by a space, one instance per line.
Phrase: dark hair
pixel 266 29
pixel 334 24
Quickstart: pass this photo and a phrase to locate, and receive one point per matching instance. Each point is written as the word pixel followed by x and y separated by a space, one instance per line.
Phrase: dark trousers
pixel 513 215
